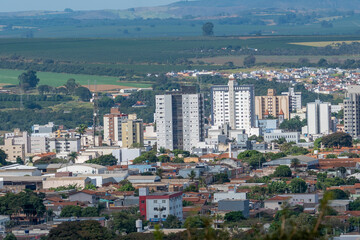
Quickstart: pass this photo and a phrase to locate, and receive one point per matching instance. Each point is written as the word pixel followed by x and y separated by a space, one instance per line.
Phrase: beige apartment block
pixel 272 105
pixel 132 132
pixel 54 182
pixel 13 150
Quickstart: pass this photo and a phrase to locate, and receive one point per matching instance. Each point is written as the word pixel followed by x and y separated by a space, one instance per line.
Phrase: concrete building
pixel 64 145
pixel 179 119
pixel 272 105
pixel 20 138
pixel 39 144
pixel 54 182
pixel 126 155
pixel 295 99
pixel 42 130
pixel 233 104
pixel 352 111
pixel 319 118
pixel 276 203
pixel 276 134
pixel 132 132
pixel 230 195
pixel 157 207
pixel 13 150
pixel 234 205
pixel 112 126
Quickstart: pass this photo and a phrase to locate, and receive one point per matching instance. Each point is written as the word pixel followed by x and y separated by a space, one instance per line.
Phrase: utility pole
pixel 95 113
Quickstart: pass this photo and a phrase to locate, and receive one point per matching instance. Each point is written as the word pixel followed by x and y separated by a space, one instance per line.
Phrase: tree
pixel 282 171
pixel 73 156
pixel 342 170
pixel 159 172
pixel 277 187
pixel 221 178
pixel 124 221
pixel 338 139
pixel 338 194
pixel 71 211
pixel 126 186
pixel 83 93
pixel 297 185
pixel 81 129
pixel 90 186
pixel 249 61
pixel 19 161
pixel 71 85
pixel 104 160
pixel 235 216
pixel 208 29
pixel 10 236
pixel 28 80
pixel 146 157
pixel 294 124
pixel 164 158
pixel 295 162
pixel 192 175
pixel 172 222
pixel 3 157
pixel 91 230
pixel 90 212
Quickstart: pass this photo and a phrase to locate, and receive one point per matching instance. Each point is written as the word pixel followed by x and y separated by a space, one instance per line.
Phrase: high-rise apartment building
pixel 112 126
pixel 132 132
pixel 318 116
pixel 179 118
pixel 272 104
pixel 352 111
pixel 233 104
pixel 295 99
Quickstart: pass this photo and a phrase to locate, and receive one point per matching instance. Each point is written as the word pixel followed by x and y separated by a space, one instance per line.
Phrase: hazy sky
pixel 25 5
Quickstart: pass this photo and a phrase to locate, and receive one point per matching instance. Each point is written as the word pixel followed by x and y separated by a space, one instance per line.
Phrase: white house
pixel 19 170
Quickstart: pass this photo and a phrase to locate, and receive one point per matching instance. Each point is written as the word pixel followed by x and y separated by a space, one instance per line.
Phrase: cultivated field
pixel 323 44
pixel 10 77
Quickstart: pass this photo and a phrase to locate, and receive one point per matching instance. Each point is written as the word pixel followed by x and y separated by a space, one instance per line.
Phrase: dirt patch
pixel 105 87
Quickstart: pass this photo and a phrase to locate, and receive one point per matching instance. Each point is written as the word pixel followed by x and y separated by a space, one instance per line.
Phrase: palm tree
pixel 192 175
pixel 81 129
pixel 73 156
pixel 295 162
pixel 159 172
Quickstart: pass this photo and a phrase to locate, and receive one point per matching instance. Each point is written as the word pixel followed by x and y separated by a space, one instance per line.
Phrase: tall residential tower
pixel 179 118
pixel 352 111
pixel 233 104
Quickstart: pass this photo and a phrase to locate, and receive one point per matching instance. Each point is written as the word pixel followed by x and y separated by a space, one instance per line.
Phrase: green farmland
pixel 10 77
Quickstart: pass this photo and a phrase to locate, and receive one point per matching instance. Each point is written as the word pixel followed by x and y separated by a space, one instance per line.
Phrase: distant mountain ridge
pixel 198 8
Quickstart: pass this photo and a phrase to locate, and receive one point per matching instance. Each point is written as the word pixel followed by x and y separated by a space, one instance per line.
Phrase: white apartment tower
pixel 319 117
pixel 179 118
pixel 233 104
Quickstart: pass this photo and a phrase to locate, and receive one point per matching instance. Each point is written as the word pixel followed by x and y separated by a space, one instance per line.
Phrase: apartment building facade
pixel 233 104
pixel 179 118
pixel 272 105
pixel 352 111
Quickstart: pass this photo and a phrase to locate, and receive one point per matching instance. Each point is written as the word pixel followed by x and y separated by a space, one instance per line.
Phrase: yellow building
pixel 13 150
pixel 272 105
pixel 132 132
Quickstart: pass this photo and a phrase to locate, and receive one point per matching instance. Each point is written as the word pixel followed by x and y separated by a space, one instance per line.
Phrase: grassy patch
pixel 58 79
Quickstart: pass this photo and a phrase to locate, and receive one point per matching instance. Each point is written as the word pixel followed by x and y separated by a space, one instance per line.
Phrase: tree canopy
pixel 28 80
pixel 208 29
pixel 297 185
pixel 91 230
pixel 338 139
pixel 282 171
pixel 104 160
